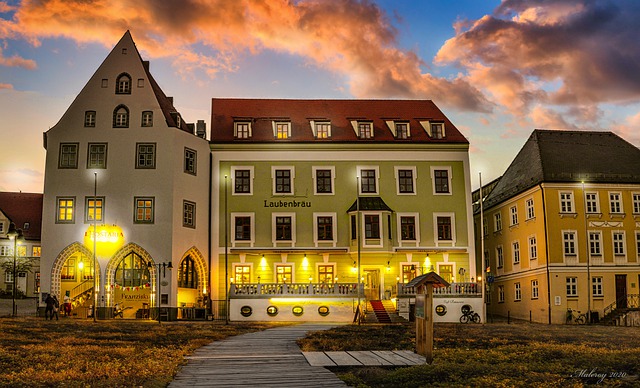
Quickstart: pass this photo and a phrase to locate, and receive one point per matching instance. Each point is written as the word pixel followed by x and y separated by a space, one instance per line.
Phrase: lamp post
pixel 164 267
pixel 359 239
pixel 226 256
pixel 95 259
pixel 15 235
pixel 587 254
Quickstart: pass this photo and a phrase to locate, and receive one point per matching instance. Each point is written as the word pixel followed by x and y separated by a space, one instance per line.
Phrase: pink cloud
pixel 16 61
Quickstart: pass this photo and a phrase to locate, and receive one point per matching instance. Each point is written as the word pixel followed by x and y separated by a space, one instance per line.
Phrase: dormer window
pixel 402 130
pixel 365 130
pixel 123 84
pixel 176 119
pixel 321 129
pixel 437 130
pixel 242 129
pixel 121 117
pixel 282 130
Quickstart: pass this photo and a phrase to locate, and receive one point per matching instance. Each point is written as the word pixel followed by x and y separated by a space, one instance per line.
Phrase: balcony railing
pixel 455 289
pixel 259 290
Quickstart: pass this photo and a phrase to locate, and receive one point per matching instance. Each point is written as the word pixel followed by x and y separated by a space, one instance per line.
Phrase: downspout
pixel 546 247
pixel 210 188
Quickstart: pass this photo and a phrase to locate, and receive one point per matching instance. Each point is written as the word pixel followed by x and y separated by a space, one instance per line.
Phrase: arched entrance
pixel 129 285
pixel 192 283
pixel 72 278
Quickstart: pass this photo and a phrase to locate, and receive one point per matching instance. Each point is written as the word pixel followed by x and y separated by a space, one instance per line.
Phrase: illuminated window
pixel 283 130
pixel 187 274
pixel 144 212
pixel 93 206
pixel 326 274
pixel 284 274
pixel 323 130
pixel 132 271
pixel 68 272
pixel 37 251
pixel 65 210
pixel 446 272
pixel 123 84
pixel 90 118
pixel 408 272
pixel 242 274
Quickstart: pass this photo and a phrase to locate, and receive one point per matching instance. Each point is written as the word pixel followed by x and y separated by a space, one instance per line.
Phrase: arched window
pixel 132 271
pixel 123 84
pixel 121 117
pixel 187 274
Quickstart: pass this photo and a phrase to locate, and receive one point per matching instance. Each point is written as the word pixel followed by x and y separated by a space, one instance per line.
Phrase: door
pixel 22 282
pixel 372 284
pixel 621 291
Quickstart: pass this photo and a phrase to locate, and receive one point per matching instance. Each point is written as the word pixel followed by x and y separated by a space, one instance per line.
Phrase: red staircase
pixel 380 311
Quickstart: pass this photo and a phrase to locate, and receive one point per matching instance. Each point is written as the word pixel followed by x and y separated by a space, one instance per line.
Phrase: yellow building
pixel 560 229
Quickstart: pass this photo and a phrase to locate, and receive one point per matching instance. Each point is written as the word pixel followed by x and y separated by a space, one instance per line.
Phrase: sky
pixel 497 69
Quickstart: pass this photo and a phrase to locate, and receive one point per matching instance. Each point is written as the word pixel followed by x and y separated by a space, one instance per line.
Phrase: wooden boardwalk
pixel 265 358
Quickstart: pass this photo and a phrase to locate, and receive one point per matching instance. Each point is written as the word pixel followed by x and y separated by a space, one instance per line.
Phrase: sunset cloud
pixel 16 61
pixel 353 38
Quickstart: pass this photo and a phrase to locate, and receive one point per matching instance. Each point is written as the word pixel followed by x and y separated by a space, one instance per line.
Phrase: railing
pixel 627 301
pixel 293 289
pixel 455 289
pixel 80 289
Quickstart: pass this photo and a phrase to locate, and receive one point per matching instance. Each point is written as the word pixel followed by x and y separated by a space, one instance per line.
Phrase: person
pixel 117 311
pixel 48 311
pixel 56 306
pixel 67 305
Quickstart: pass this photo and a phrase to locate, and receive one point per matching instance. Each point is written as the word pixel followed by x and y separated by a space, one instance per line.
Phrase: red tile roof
pixel 21 208
pixel 262 112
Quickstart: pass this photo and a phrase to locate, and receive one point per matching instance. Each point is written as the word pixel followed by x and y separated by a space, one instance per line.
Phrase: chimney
pixel 201 129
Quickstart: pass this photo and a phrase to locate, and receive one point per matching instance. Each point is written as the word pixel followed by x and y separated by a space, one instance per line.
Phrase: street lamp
pixel 15 235
pixel 164 266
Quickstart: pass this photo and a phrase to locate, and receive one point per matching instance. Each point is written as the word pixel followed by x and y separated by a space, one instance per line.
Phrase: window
pixel 242 228
pixel 37 251
pixel 569 243
pixel 596 286
pixel 65 210
pixel 190 161
pixel 36 283
pixel 1 227
pixel 500 294
pixel 324 227
pixel 618 243
pixel 572 286
pixel 441 181
pixel 437 130
pixel 144 212
pixel 242 130
pixel 90 118
pixel 408 228
pixel 283 130
pixel 322 130
pixel 147 118
pixel 188 214
pixel 283 228
pixel 242 180
pixel 497 218
pixel 444 228
pixel 635 198
pixel 326 274
pixel 566 202
pixel 121 117
pixel 146 155
pixel 402 130
pixel 408 272
pixel 132 271
pixel 499 256
pixel 518 292
pixel 595 243
pixel 513 211
pixel 123 84
pixel 6 250
pixel 615 202
pixel 68 272
pixel 105 83
pixel 94 205
pixel 638 244
pixel 592 202
pixel 242 273
pixel 516 252
pixel 141 82
pixel 372 226
pixel 406 180
pixel 187 274
pixel 324 181
pixel 97 155
pixel 284 274
pixel 534 289
pixel 282 182
pixel 68 155
pixel 533 248
pixel 530 209
pixel 446 272
pixel 368 181
pixel 365 130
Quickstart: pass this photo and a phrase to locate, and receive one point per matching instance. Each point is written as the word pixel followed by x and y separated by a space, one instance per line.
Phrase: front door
pixel 372 284
pixel 621 291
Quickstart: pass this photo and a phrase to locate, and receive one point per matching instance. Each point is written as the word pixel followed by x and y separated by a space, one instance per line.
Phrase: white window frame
pixel 416 217
pixel 316 124
pixel 597 289
pixel 571 283
pixel 413 178
pixel 638 244
pixel 242 122
pixel 597 241
pixel 635 202
pixel 285 125
pixel 314 169
pixel 364 238
pixel 500 294
pixel 513 215
pixel 433 179
pixel 572 241
pixel 293 271
pixel 566 202
pixel 233 179
pixel 235 265
pixel 293 228
pixel 499 256
pixel 517 288
pixel 619 246
pixel 452 216
pixel 530 209
pixel 515 252
pixel 533 247
pixel 371 129
pixel 535 292
pixel 395 129
pixel 497 222
pixel 592 205
pixel 615 205
pixel 252 239
pixel 292 177
pixel 334 228
pixel 432 133
pixel 377 178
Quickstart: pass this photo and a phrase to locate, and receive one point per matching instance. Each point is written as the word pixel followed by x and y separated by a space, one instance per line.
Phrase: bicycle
pixel 469 315
pixel 580 319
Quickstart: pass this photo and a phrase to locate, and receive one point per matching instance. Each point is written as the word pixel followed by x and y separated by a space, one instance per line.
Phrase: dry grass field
pixel 494 355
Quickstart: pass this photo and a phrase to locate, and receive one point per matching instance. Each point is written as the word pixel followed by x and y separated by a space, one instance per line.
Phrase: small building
pixel 561 228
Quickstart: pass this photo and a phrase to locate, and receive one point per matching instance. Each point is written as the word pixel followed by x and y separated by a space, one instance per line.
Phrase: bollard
pixel 508 317
pixel 530 316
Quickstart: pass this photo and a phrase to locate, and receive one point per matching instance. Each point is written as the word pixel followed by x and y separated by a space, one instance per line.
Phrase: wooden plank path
pixel 269 358
pixel 365 358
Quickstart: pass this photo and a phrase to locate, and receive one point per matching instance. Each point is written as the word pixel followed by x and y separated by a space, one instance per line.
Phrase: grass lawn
pixel 493 355
pixel 113 353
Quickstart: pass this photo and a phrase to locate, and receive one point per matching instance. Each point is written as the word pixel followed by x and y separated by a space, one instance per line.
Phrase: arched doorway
pixel 72 278
pixel 130 282
pixel 192 283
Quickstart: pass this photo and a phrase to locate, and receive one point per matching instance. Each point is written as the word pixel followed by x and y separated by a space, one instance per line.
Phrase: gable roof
pixel 341 113
pixel 568 156
pixel 21 208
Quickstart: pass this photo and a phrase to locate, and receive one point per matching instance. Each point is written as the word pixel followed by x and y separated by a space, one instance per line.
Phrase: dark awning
pixel 369 203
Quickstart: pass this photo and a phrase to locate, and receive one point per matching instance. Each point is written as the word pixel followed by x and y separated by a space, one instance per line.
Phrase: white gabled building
pixel 152 204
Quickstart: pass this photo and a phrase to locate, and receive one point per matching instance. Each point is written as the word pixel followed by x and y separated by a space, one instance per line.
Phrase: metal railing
pixel 627 302
pixel 455 289
pixel 293 289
